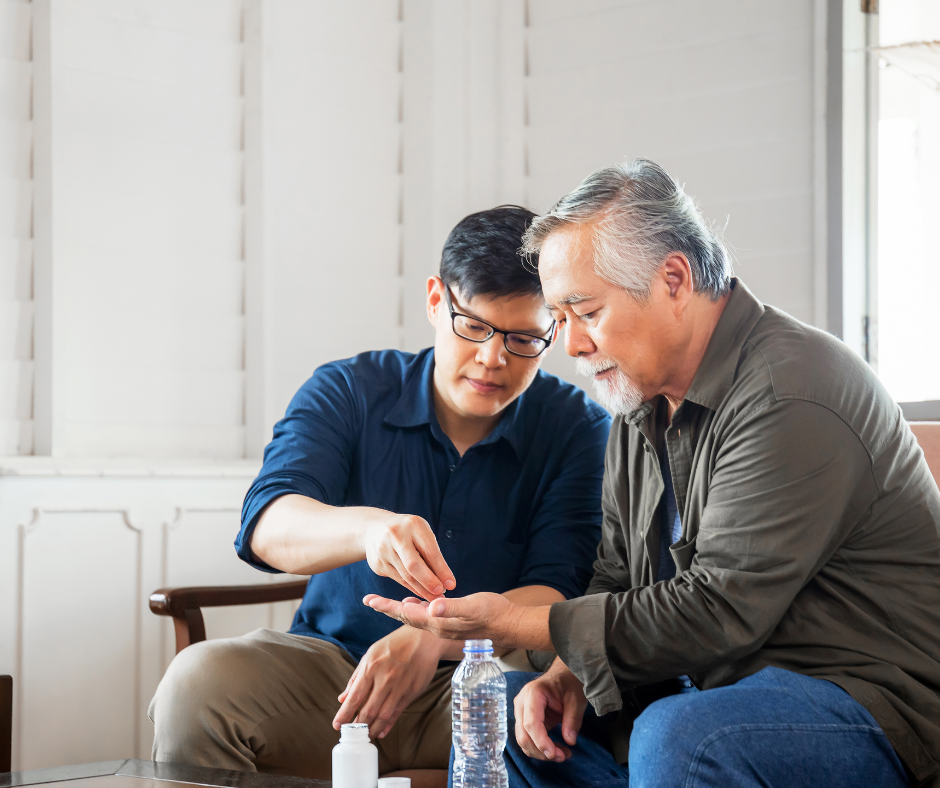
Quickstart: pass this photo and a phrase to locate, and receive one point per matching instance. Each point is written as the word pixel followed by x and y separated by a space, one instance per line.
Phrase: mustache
pixel 590 367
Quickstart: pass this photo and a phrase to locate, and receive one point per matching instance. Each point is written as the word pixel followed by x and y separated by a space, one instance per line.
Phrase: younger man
pixel 461 468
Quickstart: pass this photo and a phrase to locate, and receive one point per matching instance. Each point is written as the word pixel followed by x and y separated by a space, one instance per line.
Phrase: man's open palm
pixel 480 615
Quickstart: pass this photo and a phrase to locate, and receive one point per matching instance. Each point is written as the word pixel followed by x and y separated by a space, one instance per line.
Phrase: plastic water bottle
pixel 479 724
pixel 355 758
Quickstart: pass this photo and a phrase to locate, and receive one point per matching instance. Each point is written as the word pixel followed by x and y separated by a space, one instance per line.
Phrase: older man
pixel 765 608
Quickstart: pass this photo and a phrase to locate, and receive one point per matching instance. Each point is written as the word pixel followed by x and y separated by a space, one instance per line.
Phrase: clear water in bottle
pixel 479 724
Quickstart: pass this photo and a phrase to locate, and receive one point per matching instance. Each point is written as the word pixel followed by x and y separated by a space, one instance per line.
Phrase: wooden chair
pixel 928 436
pixel 184 605
pixel 6 723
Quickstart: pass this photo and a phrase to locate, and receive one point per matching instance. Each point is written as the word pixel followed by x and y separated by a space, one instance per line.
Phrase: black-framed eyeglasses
pixel 516 342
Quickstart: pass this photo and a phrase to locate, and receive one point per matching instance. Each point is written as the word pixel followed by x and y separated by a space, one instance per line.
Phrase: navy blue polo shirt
pixel 521 507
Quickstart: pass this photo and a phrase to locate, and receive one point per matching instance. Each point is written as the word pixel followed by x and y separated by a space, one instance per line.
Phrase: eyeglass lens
pixel 475 331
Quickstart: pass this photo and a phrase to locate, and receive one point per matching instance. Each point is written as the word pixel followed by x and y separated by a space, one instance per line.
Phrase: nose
pixel 492 353
pixel 577 342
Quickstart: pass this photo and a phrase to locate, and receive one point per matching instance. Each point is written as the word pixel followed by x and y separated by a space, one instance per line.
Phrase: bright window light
pixel 909 199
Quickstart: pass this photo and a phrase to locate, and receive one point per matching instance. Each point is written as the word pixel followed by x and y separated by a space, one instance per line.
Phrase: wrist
pixel 363 520
pixel 527 627
pixel 423 642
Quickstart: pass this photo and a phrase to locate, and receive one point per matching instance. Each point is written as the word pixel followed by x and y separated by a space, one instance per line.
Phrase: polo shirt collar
pixel 715 373
pixel 415 407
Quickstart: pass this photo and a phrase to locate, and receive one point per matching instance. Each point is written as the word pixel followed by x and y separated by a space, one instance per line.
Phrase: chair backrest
pixel 928 436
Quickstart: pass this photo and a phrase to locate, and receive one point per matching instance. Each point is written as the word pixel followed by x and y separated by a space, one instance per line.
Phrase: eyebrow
pixel 574 298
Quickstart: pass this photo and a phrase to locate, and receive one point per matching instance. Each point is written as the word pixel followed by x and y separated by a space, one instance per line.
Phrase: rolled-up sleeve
pixel 789 482
pixel 310 453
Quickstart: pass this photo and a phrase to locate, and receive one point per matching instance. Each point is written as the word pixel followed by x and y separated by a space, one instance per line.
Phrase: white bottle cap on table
pixel 394 782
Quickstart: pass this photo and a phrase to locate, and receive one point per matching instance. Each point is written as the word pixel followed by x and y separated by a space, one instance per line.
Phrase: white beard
pixel 616 393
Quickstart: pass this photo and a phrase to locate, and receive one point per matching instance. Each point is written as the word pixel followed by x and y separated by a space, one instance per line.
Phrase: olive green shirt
pixel 810 537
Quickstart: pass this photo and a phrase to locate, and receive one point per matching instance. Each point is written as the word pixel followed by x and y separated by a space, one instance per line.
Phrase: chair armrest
pixel 184 605
pixel 175 601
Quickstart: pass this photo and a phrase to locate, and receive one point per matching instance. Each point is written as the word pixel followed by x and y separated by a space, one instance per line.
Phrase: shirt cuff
pixel 541 660
pixel 578 629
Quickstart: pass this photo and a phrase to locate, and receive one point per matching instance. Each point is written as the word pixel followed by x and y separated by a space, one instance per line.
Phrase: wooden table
pixel 131 774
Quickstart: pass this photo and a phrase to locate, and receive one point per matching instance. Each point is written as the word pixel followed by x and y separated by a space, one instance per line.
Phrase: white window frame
pixel 852 173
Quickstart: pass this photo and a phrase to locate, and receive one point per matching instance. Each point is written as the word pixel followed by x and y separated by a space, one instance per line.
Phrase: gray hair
pixel 640 216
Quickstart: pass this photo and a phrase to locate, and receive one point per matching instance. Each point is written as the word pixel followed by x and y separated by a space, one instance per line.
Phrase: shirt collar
pixel 415 407
pixel 715 373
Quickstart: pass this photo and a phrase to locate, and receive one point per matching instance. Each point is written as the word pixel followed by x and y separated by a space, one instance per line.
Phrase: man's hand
pixel 403 547
pixel 482 615
pixel 391 674
pixel 556 696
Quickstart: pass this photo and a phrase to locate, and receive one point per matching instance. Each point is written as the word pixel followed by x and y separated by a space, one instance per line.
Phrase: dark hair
pixel 482 255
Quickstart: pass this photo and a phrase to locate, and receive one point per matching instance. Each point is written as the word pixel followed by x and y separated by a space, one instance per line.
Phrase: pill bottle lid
pixel 478 646
pixel 353 732
pixel 394 782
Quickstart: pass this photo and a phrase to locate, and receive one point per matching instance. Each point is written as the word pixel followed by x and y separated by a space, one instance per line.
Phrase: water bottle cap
pixel 478 646
pixel 352 732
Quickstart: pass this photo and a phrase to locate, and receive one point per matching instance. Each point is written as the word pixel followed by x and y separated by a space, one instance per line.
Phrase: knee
pixel 663 741
pixel 198 681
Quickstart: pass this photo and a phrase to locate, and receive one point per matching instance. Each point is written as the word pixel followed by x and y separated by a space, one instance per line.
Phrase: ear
pixel 435 298
pixel 677 276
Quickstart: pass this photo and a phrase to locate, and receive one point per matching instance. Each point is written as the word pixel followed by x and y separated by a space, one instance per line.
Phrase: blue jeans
pixel 772 729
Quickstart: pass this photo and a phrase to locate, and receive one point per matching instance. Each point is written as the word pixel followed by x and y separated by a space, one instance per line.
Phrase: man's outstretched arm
pixel 482 615
pixel 303 536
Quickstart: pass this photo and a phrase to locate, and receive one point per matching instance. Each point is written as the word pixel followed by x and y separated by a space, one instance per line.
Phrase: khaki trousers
pixel 266 701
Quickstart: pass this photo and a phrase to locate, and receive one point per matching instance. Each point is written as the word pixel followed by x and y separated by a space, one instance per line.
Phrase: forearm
pixel 303 536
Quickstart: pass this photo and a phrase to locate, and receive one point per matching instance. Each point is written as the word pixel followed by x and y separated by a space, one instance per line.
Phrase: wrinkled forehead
pixel 566 268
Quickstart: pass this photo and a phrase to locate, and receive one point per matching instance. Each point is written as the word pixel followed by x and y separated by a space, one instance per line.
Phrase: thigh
pixel 775 728
pixel 294 732
pixel 263 701
pixel 421 737
pixel 591 762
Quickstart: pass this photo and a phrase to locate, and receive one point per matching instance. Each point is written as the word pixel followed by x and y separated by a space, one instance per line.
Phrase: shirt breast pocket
pixel 682 553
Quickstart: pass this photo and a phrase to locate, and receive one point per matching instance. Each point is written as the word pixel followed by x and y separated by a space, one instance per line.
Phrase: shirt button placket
pixel 449 499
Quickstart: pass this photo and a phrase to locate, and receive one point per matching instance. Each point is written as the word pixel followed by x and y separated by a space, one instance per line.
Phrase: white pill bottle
pixel 355 759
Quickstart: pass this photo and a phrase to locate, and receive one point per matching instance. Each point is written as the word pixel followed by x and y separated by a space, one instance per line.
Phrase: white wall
pixel 82 546
pixel 326 235
pixel 16 248
pixel 321 152
pixel 140 346
pixel 463 113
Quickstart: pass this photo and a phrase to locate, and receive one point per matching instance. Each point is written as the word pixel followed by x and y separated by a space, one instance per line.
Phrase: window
pixel 905 314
